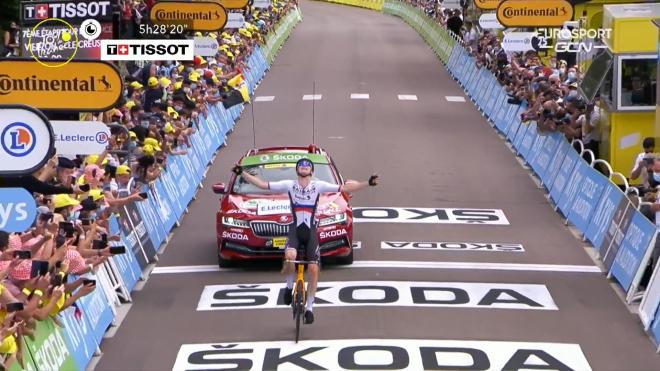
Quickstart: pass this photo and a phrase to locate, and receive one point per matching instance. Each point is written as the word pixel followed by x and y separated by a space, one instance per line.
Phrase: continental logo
pixel 487 4
pixel 195 16
pixel 66 88
pixel 534 13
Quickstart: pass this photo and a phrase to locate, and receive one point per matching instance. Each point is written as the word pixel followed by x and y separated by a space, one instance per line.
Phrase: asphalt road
pixel 430 153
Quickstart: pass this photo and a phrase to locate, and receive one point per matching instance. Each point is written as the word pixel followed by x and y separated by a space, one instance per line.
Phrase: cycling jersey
pixel 303 199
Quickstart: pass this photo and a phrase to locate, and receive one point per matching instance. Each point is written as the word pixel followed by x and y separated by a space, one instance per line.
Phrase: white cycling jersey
pixel 303 199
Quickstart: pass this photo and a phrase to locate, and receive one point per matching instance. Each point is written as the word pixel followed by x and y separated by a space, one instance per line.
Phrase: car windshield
pixel 277 172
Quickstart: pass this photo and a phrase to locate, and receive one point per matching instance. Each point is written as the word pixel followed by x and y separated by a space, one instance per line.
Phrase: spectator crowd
pixel 550 91
pixel 45 269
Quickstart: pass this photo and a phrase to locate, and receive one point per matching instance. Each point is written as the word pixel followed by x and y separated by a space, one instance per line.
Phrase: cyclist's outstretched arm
pixel 252 179
pixel 356 186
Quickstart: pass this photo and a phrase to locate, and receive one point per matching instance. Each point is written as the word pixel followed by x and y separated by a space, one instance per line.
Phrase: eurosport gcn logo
pixel 135 50
pixel 18 139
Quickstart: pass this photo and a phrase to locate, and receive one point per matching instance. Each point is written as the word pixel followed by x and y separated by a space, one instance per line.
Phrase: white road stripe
pixel 452 98
pixel 312 97
pixel 359 96
pixel 265 98
pixel 413 265
pixel 407 97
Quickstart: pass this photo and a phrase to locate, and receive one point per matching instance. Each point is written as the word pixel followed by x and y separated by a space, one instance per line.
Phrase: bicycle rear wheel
pixel 299 307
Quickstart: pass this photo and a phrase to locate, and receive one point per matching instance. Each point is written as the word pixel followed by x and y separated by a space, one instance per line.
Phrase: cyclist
pixel 304 196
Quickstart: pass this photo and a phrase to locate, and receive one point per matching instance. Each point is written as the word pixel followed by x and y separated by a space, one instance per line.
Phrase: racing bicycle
pixel 299 293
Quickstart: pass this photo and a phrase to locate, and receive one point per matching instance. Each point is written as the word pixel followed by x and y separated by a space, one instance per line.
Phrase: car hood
pixel 268 206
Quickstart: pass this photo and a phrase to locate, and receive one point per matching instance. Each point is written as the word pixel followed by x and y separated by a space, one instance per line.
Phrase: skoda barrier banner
pixel 586 199
pixel 633 251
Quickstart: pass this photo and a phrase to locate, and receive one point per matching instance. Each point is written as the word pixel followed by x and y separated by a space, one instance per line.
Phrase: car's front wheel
pixel 225 263
pixel 346 260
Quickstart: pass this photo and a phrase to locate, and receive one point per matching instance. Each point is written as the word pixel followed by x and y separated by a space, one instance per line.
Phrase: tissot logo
pixel 67 10
pixel 121 50
pixel 381 354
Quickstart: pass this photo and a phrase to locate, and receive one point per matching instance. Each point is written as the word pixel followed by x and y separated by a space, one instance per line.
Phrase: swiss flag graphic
pixel 41 11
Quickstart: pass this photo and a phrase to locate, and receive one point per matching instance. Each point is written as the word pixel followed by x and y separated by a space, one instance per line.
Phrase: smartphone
pixel 144 195
pixel 23 254
pixel 56 280
pixel 88 282
pixel 66 229
pixel 39 268
pixel 59 241
pixel 104 237
pixel 84 187
pixel 14 307
pixel 649 161
pixel 99 244
pixel 86 222
pixel 114 250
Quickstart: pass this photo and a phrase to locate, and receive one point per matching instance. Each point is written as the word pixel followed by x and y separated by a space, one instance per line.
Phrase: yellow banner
pixel 79 85
pixel 534 13
pixel 195 16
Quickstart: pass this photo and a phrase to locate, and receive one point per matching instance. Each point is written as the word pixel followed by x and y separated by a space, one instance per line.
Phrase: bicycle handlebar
pixel 303 262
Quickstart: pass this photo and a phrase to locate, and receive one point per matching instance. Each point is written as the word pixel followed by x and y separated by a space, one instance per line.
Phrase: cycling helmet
pixel 305 162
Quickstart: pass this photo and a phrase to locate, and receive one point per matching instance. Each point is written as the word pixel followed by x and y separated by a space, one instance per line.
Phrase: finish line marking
pixel 410 265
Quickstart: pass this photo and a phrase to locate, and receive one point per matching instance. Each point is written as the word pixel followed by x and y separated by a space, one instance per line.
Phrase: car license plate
pixel 279 242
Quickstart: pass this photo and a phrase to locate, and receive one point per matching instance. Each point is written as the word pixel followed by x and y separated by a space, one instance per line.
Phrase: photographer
pixel 643 162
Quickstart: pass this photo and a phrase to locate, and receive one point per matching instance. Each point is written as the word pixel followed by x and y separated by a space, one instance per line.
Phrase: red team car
pixel 253 223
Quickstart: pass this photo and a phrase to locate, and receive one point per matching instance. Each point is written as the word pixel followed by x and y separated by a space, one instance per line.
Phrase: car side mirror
pixel 219 188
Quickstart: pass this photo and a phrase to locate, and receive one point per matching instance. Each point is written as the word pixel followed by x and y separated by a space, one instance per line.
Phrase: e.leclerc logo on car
pixel 18 139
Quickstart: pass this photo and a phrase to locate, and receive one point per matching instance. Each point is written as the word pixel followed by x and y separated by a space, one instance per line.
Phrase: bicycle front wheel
pixel 299 307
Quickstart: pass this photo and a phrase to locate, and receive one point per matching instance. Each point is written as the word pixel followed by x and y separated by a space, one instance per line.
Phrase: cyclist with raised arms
pixel 304 196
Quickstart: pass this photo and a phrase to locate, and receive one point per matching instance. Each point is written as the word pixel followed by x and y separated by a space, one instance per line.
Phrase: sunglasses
pixel 305 163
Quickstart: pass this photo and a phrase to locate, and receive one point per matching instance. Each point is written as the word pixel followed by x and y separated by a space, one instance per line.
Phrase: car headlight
pixel 233 222
pixel 337 218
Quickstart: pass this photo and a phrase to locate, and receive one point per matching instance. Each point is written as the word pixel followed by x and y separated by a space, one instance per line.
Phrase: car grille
pixel 269 229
